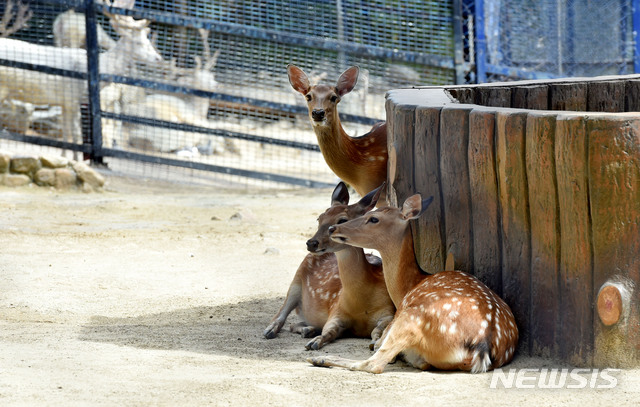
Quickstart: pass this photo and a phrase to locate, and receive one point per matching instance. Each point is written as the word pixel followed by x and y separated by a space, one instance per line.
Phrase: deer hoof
pixel 313 344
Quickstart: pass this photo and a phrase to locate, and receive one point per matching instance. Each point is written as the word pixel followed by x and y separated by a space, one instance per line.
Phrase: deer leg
pixel 378 332
pixel 331 330
pixel 294 296
pixel 394 342
pixel 304 329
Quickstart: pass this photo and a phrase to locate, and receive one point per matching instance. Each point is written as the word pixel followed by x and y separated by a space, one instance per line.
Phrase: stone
pixel 25 164
pixel 16 180
pixel 65 178
pixel 52 161
pixel 88 175
pixel 45 177
pixel 5 161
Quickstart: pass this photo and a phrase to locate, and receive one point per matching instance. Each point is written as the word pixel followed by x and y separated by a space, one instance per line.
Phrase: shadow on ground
pixel 230 329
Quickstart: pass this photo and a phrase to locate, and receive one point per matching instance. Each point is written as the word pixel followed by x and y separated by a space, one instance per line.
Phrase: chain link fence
pixel 200 87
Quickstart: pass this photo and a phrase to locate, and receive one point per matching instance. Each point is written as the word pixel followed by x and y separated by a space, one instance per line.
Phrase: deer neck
pixel 338 150
pixel 400 268
pixel 352 264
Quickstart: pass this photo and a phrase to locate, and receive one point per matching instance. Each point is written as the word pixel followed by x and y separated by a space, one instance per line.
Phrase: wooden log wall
pixel 541 205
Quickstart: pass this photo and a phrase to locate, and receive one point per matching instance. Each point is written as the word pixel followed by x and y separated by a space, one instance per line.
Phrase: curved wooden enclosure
pixel 537 192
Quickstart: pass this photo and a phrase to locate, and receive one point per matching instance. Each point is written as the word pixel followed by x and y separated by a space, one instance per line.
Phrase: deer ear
pixel 370 200
pixel 414 206
pixel 298 79
pixel 347 81
pixel 340 195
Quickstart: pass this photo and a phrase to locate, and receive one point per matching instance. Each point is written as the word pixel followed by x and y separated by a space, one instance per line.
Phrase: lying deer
pixel 344 296
pixel 449 320
pixel 359 161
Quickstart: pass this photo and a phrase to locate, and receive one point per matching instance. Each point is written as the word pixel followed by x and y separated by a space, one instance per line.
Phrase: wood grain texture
pixel 428 232
pixel 568 96
pixel 515 224
pixel 499 96
pixel 614 186
pixel 608 96
pixel 575 274
pixel 454 178
pixel 530 97
pixel 632 96
pixel 484 198
pixel 545 239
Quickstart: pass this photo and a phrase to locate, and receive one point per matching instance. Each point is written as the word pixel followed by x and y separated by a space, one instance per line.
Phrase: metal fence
pixel 217 103
pixel 539 39
pixel 253 126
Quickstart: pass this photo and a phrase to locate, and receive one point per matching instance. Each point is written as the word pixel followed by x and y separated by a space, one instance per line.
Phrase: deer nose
pixel 332 229
pixel 312 245
pixel 317 114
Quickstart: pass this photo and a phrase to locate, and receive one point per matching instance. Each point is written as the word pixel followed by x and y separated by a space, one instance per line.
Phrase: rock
pixel 5 160
pixel 88 175
pixel 271 251
pixel 54 161
pixel 45 177
pixel 65 178
pixel 16 180
pixel 25 165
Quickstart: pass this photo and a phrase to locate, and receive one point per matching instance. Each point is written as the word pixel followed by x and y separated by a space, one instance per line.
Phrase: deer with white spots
pixel 337 288
pixel 449 320
pixel 363 307
pixel 359 161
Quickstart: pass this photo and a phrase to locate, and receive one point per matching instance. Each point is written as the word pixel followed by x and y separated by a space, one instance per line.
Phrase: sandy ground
pixel 156 294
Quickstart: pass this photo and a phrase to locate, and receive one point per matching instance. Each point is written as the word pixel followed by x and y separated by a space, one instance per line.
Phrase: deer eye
pixel 334 98
pixel 373 219
pixel 308 97
pixel 342 220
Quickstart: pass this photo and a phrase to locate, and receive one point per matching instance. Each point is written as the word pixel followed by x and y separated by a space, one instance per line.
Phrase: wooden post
pixel 614 187
pixel 498 96
pixel 531 97
pixel 575 274
pixel 606 96
pixel 454 179
pixel 484 201
pixel 568 96
pixel 632 96
pixel 543 212
pixel 429 231
pixel 515 233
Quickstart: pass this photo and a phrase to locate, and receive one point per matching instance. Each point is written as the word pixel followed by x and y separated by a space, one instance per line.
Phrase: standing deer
pixel 358 161
pixel 336 297
pixel 47 89
pixel 449 320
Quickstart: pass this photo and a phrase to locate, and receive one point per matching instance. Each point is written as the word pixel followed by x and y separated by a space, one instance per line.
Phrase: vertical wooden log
pixel 543 212
pixel 515 232
pixel 632 96
pixel 456 194
pixel 429 231
pixel 392 162
pixel 484 198
pixel 575 274
pixel 614 186
pixel 498 96
pixel 606 96
pixel 568 96
pixel 403 129
pixel 530 97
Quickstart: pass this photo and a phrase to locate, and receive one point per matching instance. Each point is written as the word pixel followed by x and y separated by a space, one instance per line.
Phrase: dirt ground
pixel 156 294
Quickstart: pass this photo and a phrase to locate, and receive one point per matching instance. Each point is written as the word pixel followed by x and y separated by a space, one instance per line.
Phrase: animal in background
pixel 359 161
pixel 449 320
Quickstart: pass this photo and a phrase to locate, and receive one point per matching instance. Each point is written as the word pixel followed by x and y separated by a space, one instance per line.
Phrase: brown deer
pixel 359 161
pixel 449 320
pixel 363 307
pixel 337 288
